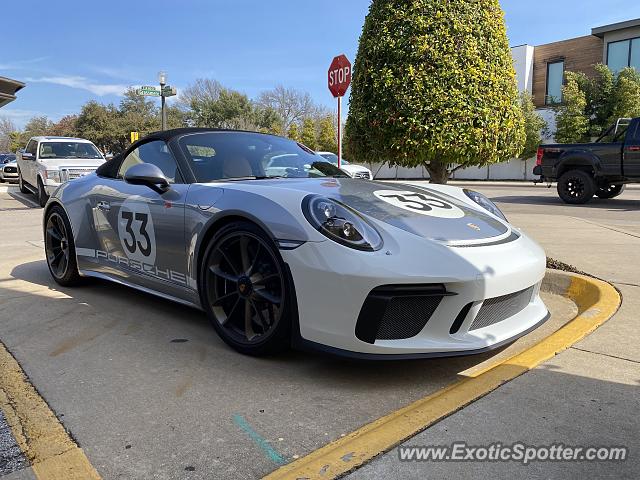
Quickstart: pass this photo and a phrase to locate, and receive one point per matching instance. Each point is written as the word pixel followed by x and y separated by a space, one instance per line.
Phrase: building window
pixel 555 79
pixel 622 54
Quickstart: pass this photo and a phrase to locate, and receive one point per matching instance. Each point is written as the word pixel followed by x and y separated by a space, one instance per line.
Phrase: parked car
pixel 354 171
pixel 602 168
pixel 47 162
pixel 9 172
pixel 6 158
pixel 279 247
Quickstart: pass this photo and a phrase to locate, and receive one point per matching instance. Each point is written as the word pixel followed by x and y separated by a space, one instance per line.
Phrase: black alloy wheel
pixel 609 191
pixel 60 249
pixel 576 187
pixel 245 290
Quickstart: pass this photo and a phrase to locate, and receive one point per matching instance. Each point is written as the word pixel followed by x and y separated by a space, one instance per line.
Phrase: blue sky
pixel 69 52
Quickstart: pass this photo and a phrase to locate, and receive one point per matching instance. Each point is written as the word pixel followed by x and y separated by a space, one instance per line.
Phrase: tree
pixel 138 114
pixel 572 125
pixel 291 105
pixel 625 96
pixel 533 126
pixel 294 132
pixel 327 137
pixel 308 134
pixel 101 124
pixel 434 84
pixel 203 89
pixel 7 127
pixel 65 127
pixel 39 125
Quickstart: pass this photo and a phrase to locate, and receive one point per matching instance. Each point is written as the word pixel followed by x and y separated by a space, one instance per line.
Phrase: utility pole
pixel 162 78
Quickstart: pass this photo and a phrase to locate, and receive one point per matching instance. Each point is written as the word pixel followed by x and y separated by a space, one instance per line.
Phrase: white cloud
pixel 20 64
pixel 83 83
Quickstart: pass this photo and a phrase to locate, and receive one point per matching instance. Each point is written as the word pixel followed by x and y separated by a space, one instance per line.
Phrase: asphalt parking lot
pixel 149 391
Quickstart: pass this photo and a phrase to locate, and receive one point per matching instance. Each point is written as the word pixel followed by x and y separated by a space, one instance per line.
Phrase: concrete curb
pixel 52 453
pixel 597 301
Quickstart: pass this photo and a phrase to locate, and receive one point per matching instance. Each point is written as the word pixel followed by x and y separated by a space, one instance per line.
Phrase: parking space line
pixel 52 453
pixel 268 450
pixel 597 301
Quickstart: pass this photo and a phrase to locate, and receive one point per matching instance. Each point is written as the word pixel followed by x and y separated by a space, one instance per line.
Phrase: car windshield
pixel 333 158
pixel 244 155
pixel 68 150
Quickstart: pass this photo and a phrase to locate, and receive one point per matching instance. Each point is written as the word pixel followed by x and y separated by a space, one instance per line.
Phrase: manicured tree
pixel 294 132
pixel 327 137
pixel 434 84
pixel 533 126
pixel 308 133
pixel 572 124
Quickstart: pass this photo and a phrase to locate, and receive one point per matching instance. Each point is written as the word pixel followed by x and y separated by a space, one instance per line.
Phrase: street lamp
pixel 162 78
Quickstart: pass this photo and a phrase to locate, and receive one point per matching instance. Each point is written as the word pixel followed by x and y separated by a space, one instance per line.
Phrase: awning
pixel 8 89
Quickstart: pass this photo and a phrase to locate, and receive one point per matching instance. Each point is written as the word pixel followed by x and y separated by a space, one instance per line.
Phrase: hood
pixel 422 211
pixel 354 168
pixel 72 162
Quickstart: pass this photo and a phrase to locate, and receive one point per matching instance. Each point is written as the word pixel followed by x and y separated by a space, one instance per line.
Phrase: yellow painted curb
pixel 597 301
pixel 52 453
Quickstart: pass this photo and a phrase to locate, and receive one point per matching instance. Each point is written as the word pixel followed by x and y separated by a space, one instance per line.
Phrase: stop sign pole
pixel 338 80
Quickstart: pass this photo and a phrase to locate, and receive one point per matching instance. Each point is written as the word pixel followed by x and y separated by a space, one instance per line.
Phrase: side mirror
pixel 149 175
pixel 27 156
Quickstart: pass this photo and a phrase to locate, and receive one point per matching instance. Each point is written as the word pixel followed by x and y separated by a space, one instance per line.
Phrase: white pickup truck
pixel 47 162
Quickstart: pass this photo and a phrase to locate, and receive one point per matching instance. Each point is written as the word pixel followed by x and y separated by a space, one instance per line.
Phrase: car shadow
pixel 105 296
pixel 617 204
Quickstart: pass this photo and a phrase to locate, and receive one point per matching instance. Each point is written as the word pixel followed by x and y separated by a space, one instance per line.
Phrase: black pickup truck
pixel 587 169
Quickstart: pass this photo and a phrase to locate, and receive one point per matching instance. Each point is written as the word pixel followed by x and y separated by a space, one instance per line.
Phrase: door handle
pixel 104 206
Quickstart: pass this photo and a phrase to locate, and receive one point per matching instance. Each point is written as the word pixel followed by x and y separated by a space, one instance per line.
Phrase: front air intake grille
pixel 394 312
pixel 497 309
pixel 10 170
pixel 73 173
pixel 405 317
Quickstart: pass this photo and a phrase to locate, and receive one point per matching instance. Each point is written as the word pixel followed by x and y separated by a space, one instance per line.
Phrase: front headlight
pixel 485 203
pixel 341 224
pixel 53 175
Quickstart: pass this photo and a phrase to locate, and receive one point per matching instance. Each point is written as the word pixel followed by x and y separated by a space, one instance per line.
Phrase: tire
pixel 246 290
pixel 42 194
pixel 60 250
pixel 610 191
pixel 576 187
pixel 23 188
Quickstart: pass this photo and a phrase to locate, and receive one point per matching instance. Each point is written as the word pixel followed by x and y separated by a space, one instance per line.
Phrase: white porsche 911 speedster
pixel 295 253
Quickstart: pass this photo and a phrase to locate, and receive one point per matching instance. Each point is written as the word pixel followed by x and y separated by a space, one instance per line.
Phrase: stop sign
pixel 339 76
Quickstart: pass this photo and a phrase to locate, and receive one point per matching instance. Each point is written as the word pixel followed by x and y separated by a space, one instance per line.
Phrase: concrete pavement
pixel 144 403
pixel 588 395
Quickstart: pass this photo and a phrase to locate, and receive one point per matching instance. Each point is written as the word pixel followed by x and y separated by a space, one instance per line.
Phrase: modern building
pixel 540 70
pixel 8 89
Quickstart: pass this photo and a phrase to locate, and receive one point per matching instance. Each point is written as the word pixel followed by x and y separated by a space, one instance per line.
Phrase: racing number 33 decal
pixel 135 244
pixel 421 203
pixel 136 232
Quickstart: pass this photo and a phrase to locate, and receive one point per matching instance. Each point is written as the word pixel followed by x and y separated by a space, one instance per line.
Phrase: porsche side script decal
pixel 421 203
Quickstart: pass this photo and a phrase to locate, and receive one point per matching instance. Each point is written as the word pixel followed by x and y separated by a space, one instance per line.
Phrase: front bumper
pixel 332 283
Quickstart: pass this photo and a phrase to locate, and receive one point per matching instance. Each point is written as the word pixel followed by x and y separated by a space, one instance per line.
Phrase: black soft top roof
pixel 167 135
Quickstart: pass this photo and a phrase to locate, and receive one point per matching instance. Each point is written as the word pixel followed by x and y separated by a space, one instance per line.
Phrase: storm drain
pixel 497 309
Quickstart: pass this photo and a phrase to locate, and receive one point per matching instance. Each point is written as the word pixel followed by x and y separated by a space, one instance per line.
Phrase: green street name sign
pixel 149 91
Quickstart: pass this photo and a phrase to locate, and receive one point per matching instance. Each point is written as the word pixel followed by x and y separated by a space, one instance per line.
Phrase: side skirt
pixel 102 276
